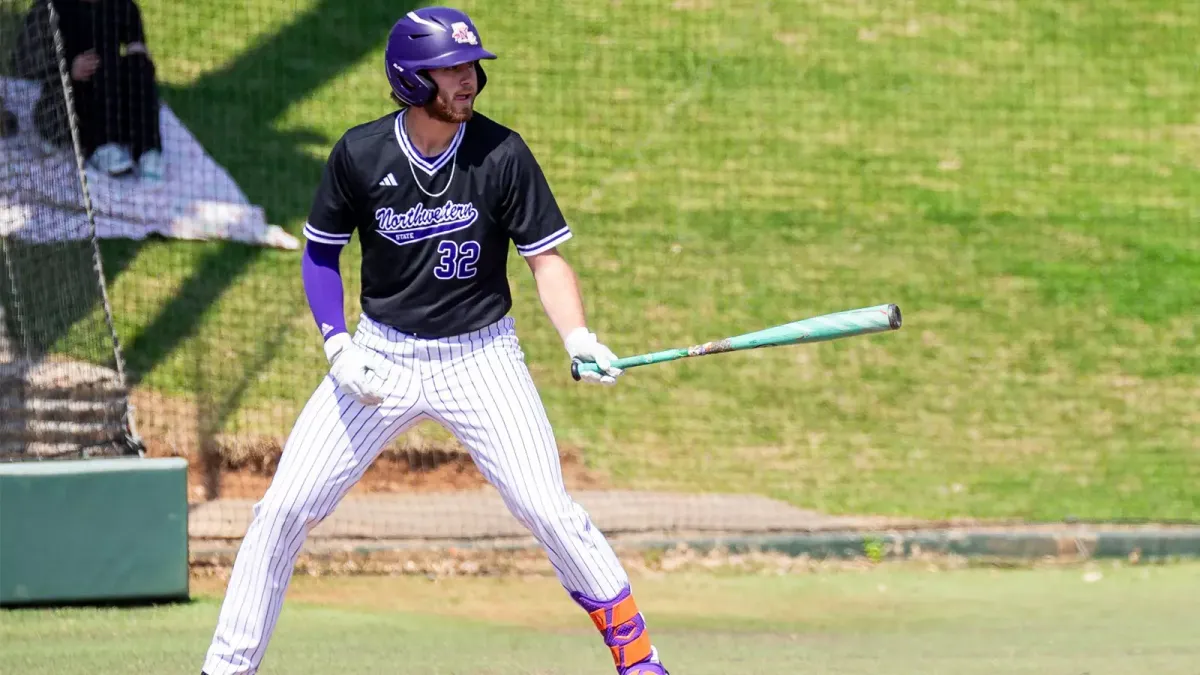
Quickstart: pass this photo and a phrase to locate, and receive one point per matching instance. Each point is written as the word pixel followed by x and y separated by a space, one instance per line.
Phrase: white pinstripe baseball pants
pixel 477 386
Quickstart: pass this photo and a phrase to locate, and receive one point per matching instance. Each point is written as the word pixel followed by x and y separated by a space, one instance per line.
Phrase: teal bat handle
pixel 834 326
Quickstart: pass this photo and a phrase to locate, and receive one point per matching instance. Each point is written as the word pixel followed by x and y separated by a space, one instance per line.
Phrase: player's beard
pixel 450 110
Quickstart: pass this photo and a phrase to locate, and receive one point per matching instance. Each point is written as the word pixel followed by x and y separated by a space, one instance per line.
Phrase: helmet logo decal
pixel 462 34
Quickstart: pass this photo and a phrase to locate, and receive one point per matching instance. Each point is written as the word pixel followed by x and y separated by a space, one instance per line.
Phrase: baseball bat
pixel 833 326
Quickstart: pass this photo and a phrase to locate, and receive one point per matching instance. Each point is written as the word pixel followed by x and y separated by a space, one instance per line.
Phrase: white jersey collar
pixel 430 167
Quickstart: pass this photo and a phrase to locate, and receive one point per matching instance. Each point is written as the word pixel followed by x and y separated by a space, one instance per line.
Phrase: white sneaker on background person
pixel 111 159
pixel 151 165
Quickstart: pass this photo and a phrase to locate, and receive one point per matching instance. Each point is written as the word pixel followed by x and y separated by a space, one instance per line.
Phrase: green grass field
pixel 1019 177
pixel 897 619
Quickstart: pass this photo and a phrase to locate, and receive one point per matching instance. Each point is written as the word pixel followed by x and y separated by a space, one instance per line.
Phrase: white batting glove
pixel 355 370
pixel 582 344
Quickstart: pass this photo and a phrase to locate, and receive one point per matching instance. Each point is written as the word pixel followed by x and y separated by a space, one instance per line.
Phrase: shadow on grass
pixel 233 113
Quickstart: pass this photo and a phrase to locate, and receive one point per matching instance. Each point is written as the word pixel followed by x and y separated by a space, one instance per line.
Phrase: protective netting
pixel 1019 177
pixel 62 389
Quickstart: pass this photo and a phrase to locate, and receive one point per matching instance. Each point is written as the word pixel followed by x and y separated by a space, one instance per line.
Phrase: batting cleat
pixel 624 631
pixel 648 668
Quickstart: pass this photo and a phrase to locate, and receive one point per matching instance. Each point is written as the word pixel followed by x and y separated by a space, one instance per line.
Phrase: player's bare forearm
pixel 558 289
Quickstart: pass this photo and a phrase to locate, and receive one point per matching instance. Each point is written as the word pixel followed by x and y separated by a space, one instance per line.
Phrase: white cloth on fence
pixel 41 200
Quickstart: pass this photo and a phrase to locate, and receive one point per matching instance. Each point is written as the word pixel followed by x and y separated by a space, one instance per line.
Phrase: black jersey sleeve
pixel 528 208
pixel 331 220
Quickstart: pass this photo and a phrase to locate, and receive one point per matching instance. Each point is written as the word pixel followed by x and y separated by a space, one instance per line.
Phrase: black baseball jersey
pixel 435 232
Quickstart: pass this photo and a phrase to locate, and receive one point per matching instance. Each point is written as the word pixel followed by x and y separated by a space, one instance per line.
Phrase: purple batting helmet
pixel 430 37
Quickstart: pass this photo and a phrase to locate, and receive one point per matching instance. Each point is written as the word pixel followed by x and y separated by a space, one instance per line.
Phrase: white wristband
pixel 336 345
pixel 575 338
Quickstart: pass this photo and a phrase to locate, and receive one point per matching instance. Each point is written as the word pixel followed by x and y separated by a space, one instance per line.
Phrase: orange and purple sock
pixel 624 631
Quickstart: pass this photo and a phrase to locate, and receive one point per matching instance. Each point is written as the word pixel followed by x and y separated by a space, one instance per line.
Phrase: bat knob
pixel 894 318
pixel 575 369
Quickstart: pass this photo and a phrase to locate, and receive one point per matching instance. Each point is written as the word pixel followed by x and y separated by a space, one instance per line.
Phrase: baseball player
pixel 435 192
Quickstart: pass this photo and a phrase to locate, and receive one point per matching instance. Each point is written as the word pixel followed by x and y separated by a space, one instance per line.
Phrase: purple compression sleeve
pixel 323 286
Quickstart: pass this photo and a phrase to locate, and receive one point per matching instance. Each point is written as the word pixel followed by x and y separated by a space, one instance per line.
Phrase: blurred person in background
pixel 8 121
pixel 112 83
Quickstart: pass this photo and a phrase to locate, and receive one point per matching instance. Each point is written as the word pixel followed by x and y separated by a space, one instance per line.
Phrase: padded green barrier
pixel 93 531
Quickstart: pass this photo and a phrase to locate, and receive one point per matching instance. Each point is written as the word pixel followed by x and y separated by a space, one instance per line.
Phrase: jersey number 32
pixel 458 260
